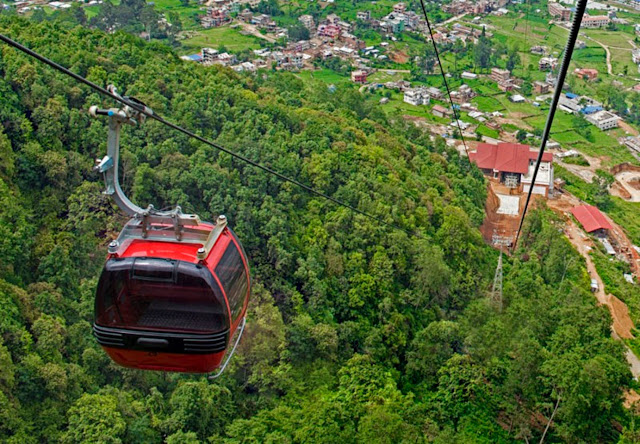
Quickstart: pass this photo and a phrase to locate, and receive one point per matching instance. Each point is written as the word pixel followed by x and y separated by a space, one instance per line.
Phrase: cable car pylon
pixel 174 290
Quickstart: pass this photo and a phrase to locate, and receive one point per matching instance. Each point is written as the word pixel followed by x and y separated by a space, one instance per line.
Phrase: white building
pixel 604 120
pixel 417 96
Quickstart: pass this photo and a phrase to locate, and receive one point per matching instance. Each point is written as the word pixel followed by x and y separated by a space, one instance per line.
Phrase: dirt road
pixel 622 325
pixel 250 29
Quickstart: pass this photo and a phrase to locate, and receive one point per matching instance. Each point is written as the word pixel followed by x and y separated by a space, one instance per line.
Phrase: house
pixel 595 21
pixel 513 164
pixel 559 11
pixel 417 96
pixel 635 56
pixel 435 92
pixel 469 75
pixel 591 219
pixel 307 21
pixel 547 63
pixel 364 16
pixel 500 75
pixel 538 50
pixel 209 55
pixel 633 143
pixel 581 44
pixel 506 85
pixel 586 73
pixel 359 76
pixel 463 94
pixel 604 120
pixel 540 87
pixel 192 58
pixel 441 111
pixel 399 8
pixel 246 16
pixel 517 98
pixel 330 31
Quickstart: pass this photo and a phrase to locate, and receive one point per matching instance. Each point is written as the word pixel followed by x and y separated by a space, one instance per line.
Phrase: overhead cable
pixel 444 77
pixel 562 74
pixel 175 127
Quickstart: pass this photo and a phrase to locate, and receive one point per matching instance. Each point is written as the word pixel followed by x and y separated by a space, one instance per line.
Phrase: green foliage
pixel 356 332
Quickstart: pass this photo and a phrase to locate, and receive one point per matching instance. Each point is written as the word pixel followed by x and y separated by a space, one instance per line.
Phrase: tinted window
pixel 159 295
pixel 233 276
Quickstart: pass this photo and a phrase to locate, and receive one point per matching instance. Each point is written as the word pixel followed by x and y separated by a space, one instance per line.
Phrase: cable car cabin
pixel 172 298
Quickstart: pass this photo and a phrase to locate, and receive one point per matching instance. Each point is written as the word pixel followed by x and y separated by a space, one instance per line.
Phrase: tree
pixel 521 135
pixel 513 59
pixel 95 419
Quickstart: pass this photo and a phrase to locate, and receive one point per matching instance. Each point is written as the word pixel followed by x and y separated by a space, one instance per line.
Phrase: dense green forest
pixel 356 332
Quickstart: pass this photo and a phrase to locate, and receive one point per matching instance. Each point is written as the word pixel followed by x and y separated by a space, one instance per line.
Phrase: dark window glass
pixel 160 295
pixel 233 276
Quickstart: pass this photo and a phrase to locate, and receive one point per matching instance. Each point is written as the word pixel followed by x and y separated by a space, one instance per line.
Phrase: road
pixel 606 49
pixel 622 324
pixel 254 32
pixel 452 19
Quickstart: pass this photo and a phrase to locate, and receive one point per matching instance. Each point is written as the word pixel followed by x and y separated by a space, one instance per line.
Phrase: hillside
pixel 356 332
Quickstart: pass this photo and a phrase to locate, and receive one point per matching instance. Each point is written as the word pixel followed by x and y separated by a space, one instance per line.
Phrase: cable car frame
pixel 174 290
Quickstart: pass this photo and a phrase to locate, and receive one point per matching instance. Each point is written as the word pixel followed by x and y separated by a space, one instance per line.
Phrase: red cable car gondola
pixel 174 290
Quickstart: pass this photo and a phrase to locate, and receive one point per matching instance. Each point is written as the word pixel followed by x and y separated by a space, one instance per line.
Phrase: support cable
pixel 444 77
pixel 562 74
pixel 175 127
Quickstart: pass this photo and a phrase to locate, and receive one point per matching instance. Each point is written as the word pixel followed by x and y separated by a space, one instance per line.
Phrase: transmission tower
pixel 499 241
pixel 496 291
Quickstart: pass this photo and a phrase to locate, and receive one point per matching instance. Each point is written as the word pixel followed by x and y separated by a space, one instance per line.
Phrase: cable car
pixel 174 291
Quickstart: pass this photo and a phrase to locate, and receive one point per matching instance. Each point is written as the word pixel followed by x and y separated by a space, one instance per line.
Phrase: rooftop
pixel 590 218
pixel 506 157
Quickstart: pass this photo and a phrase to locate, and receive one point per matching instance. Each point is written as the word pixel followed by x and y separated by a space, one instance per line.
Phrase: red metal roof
pixel 506 157
pixel 590 218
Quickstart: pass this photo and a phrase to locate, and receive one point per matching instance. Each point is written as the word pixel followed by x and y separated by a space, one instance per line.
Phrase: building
pixel 540 87
pixel 595 21
pixel 517 98
pixel 500 75
pixel 331 31
pixel 209 55
pixel 435 92
pixel 547 63
pixel 399 8
pixel 633 143
pixel 586 73
pixel 635 56
pixel 463 94
pixel 513 164
pixel 581 44
pixel 559 11
pixel 364 16
pixel 539 50
pixel 604 120
pixel 417 96
pixel 469 75
pixel 307 21
pixel 591 219
pixel 359 76
pixel 441 111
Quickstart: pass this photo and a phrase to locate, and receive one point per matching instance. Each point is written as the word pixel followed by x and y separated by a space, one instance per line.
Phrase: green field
pixel 383 76
pixel 225 36
pixel 324 75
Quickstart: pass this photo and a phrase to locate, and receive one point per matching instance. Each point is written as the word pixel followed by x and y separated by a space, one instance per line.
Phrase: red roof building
pixel 513 164
pixel 591 218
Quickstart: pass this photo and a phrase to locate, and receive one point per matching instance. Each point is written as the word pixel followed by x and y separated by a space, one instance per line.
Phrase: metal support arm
pixel 108 166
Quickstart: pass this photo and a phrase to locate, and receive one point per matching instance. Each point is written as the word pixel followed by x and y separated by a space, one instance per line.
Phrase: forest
pixel 356 332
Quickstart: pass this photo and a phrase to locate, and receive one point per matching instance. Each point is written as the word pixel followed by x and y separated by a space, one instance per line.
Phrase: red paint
pixel 168 362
